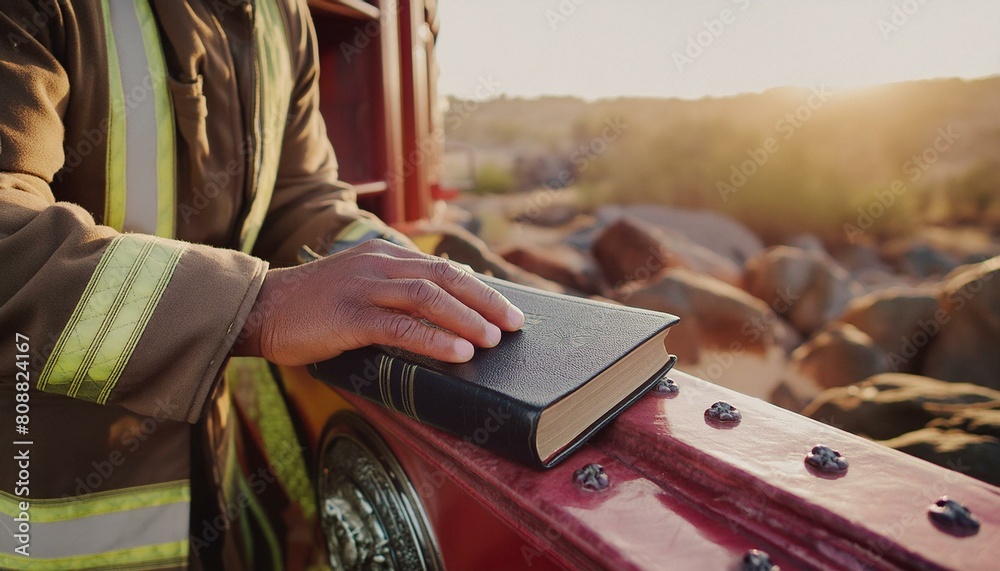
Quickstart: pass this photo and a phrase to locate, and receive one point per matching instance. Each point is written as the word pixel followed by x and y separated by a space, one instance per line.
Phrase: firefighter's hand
pixel 376 292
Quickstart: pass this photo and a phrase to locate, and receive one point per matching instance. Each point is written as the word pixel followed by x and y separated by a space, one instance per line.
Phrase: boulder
pixel 935 250
pixel 973 420
pixel 632 250
pixel 892 404
pixel 974 455
pixel 551 215
pixel 560 263
pixel 916 257
pixel 725 335
pixel 809 289
pixel 865 264
pixel 955 425
pixel 451 213
pixel 456 243
pixel 967 347
pixel 894 319
pixel 807 242
pixel 792 395
pixel 837 356
pixel 713 230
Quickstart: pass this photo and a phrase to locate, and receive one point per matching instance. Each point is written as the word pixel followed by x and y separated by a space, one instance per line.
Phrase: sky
pixel 696 48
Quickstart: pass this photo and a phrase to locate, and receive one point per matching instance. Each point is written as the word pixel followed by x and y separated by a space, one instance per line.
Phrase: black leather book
pixel 536 396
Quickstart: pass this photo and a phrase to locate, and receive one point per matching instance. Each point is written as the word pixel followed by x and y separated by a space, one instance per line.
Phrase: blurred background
pixel 813 186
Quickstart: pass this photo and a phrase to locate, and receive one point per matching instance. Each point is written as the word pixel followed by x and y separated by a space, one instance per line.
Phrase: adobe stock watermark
pixel 363 37
pixel 369 32
pixel 217 180
pixel 752 329
pixel 784 129
pixel 899 17
pixel 911 345
pixel 658 259
pixel 562 12
pixel 93 138
pixel 47 10
pixel 889 535
pixel 712 30
pixel 486 87
pixel 130 440
pixel 914 168
pixel 581 158
pixel 256 483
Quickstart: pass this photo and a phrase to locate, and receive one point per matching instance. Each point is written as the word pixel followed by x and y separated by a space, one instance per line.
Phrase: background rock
pixel 970 454
pixel 807 242
pixel 807 288
pixel 967 347
pixel 891 318
pixel 632 250
pixel 725 335
pixel 890 405
pixel 551 215
pixel 715 231
pixel 560 263
pixel 456 243
pixel 915 257
pixel 982 419
pixel 837 356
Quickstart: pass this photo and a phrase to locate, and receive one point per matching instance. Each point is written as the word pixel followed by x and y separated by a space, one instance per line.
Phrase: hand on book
pixel 374 293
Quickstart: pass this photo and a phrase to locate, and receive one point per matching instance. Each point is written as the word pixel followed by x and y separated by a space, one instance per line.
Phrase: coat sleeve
pixel 310 207
pixel 121 318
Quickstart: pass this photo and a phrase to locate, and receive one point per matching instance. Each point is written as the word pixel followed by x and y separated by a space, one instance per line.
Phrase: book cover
pixel 498 399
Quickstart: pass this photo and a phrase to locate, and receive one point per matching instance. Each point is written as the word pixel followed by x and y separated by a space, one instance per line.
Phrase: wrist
pixel 248 342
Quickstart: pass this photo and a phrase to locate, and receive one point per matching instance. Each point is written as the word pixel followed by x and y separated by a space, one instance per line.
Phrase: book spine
pixel 476 415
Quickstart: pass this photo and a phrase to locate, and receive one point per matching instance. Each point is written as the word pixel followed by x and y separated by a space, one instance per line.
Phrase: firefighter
pixel 164 170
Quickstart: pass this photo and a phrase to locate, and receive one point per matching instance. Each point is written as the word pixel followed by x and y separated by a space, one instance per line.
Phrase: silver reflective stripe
pixel 140 125
pixel 139 527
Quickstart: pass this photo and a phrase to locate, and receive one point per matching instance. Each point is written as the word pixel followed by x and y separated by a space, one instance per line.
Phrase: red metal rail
pixel 686 494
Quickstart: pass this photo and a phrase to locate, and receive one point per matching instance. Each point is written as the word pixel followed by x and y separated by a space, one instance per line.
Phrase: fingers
pixel 378 292
pixel 409 333
pixel 465 288
pixel 425 299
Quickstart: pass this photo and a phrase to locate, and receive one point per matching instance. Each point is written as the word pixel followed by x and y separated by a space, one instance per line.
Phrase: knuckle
pixel 492 296
pixel 443 272
pixel 423 292
pixel 403 328
pixel 368 246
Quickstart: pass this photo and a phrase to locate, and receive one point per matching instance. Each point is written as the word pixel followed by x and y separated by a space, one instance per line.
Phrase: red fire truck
pixel 682 492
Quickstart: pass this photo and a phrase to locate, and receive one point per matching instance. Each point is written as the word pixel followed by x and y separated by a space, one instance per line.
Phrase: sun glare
pixel 598 48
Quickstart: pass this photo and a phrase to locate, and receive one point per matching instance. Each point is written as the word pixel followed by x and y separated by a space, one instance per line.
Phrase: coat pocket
pixel 191 112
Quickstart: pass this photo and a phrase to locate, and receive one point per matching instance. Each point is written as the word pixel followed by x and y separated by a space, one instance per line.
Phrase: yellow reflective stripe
pixel 146 557
pixel 144 527
pixel 166 165
pixel 114 189
pixel 111 316
pixel 98 503
pixel 268 411
pixel 235 488
pixel 264 525
pixel 355 231
pixel 273 97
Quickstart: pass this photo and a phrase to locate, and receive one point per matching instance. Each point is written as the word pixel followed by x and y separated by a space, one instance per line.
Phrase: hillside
pixel 847 166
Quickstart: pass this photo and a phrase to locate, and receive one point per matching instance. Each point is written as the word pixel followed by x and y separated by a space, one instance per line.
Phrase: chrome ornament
pixel 370 514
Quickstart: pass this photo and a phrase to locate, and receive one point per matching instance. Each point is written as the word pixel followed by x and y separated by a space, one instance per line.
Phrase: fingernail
pixel 515 316
pixel 463 349
pixel 492 334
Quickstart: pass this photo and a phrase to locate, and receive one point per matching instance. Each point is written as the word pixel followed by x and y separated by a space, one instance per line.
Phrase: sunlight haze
pixel 655 48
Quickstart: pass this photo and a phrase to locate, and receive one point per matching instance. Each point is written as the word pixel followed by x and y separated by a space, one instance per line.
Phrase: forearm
pixel 122 318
